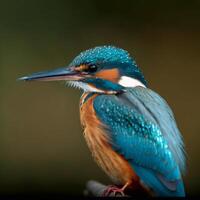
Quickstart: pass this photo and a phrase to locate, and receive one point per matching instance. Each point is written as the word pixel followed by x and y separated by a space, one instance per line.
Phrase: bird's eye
pixel 91 68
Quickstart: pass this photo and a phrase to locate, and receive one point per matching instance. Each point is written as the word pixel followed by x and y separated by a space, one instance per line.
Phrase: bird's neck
pixel 99 85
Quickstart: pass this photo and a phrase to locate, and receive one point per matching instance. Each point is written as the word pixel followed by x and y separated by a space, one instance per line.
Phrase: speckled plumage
pixel 107 54
pixel 109 57
pixel 143 130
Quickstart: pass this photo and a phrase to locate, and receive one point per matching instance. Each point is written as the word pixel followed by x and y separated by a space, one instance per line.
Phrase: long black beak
pixel 68 74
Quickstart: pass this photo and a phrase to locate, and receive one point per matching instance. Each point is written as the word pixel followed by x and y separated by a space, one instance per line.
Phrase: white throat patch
pixel 130 82
pixel 84 86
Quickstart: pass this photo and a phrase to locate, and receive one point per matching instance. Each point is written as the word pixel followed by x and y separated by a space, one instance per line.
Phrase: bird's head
pixel 104 69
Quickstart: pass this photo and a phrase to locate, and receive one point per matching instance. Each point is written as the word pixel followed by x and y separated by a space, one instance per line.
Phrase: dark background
pixel 42 149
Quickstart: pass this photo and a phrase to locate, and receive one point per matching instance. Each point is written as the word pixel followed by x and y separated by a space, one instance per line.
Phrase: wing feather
pixel 143 129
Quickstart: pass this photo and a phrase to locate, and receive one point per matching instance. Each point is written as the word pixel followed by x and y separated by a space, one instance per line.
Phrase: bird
pixel 130 129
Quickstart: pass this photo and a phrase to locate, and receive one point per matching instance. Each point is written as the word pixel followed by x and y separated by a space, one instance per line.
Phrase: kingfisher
pixel 130 129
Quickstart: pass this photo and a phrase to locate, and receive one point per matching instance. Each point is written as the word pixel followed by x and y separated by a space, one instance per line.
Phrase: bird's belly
pixel 111 162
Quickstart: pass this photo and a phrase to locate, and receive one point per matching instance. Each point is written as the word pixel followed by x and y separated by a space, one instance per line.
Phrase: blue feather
pixel 107 57
pixel 149 178
pixel 143 129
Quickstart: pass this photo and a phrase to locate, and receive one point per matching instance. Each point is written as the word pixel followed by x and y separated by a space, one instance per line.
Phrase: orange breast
pixel 98 142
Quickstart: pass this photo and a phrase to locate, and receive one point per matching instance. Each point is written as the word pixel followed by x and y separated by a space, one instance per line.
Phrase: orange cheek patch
pixel 81 68
pixel 109 74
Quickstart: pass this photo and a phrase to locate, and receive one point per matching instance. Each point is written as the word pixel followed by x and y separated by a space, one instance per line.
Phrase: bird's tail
pixel 149 178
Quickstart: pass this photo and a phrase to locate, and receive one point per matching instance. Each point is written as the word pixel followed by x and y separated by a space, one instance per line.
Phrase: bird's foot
pixel 113 190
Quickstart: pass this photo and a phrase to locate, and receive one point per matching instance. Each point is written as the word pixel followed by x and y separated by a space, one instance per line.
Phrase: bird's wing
pixel 142 128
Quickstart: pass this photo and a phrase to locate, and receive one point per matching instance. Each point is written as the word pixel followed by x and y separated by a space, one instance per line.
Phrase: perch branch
pixel 96 189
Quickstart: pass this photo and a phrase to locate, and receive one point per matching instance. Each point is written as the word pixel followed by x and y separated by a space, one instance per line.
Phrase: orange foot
pixel 114 190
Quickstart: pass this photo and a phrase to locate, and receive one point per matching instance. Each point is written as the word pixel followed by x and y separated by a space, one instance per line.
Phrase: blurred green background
pixel 42 149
